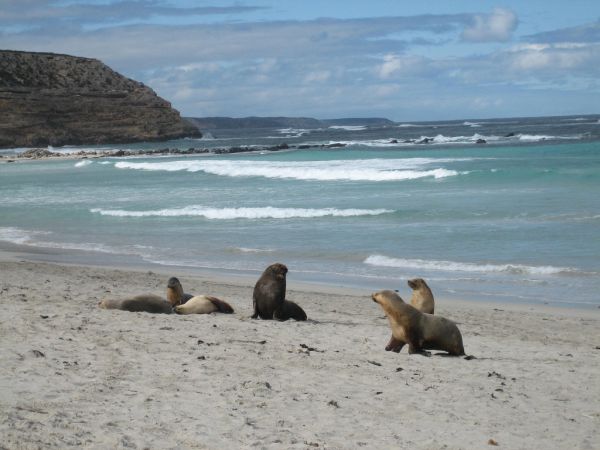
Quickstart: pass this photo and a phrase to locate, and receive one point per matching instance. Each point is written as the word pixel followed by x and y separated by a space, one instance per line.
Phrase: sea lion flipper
pixel 394 345
pixel 221 305
pixel 415 342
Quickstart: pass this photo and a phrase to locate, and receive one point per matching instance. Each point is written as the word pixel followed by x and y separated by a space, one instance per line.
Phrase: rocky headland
pixel 52 99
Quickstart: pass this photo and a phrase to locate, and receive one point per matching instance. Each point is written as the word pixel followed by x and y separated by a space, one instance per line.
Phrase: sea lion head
pixel 416 283
pixel 174 291
pixel 278 269
pixel 386 297
pixel 173 283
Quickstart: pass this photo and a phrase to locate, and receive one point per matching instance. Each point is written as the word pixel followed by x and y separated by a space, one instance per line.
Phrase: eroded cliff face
pixel 51 99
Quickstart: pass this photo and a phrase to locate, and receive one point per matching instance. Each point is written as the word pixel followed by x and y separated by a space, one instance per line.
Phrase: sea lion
pixel 422 298
pixel 140 303
pixel 419 330
pixel 175 294
pixel 289 310
pixel 269 291
pixel 203 304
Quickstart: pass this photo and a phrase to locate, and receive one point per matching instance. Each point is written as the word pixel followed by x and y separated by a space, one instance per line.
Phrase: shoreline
pixel 11 253
pixel 76 376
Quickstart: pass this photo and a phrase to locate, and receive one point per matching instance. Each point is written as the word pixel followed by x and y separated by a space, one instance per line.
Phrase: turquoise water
pixel 506 222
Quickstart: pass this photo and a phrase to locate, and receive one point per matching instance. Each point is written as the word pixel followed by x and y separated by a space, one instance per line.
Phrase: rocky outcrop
pixel 51 99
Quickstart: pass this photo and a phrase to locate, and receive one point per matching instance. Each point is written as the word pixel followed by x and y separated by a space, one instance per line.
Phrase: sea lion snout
pixel 374 297
pixel 413 283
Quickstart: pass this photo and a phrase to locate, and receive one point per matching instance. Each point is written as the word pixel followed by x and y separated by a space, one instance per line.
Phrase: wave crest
pixel 243 213
pixel 341 170
pixel 514 269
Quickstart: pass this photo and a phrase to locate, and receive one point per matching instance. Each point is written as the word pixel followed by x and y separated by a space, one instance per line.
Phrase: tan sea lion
pixel 289 310
pixel 175 294
pixel 203 304
pixel 269 291
pixel 140 303
pixel 419 330
pixel 422 298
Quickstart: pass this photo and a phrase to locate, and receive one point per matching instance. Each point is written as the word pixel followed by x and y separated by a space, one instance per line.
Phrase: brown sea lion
pixel 422 298
pixel 175 294
pixel 419 330
pixel 203 304
pixel 140 303
pixel 269 291
pixel 289 310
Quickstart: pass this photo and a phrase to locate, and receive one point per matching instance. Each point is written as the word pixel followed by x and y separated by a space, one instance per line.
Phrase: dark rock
pixel 481 141
pixel 394 141
pixel 51 99
pixel 36 153
pixel 511 134
pixel 426 140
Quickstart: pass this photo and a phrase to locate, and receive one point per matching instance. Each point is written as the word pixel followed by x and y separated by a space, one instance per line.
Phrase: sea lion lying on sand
pixel 203 304
pixel 419 330
pixel 175 294
pixel 140 303
pixel 289 310
pixel 422 298
pixel 269 291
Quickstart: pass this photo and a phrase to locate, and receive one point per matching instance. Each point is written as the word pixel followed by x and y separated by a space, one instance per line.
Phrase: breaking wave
pixel 451 266
pixel 34 239
pixel 243 213
pixel 348 127
pixel 341 170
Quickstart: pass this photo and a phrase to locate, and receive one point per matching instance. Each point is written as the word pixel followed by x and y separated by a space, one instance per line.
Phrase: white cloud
pixel 497 26
pixel 555 57
pixel 317 76
pixel 400 65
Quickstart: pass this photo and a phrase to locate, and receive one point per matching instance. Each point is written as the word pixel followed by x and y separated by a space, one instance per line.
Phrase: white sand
pixel 73 375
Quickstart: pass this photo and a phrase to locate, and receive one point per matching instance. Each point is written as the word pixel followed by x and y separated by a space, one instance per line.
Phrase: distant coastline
pixel 275 134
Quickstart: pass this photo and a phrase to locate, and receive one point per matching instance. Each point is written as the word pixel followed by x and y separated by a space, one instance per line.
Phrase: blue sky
pixel 405 60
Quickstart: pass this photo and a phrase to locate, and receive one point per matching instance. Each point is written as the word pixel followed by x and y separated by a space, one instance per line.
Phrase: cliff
pixel 51 99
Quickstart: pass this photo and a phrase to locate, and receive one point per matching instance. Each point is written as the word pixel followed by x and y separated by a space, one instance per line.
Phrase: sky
pixel 400 59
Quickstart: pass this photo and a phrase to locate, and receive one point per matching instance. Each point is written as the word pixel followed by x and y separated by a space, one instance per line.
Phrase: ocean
pixel 515 219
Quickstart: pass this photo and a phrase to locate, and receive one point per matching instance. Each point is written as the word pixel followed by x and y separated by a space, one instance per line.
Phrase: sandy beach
pixel 75 376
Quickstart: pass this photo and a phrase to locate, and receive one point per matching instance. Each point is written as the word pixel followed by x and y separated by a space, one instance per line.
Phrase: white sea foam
pixel 439 139
pixel 295 131
pixel 18 235
pixel 33 239
pixel 243 213
pixel 451 266
pixel 339 170
pixel 83 163
pixel 534 137
pixel 472 124
pixel 349 127
pixel 253 250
